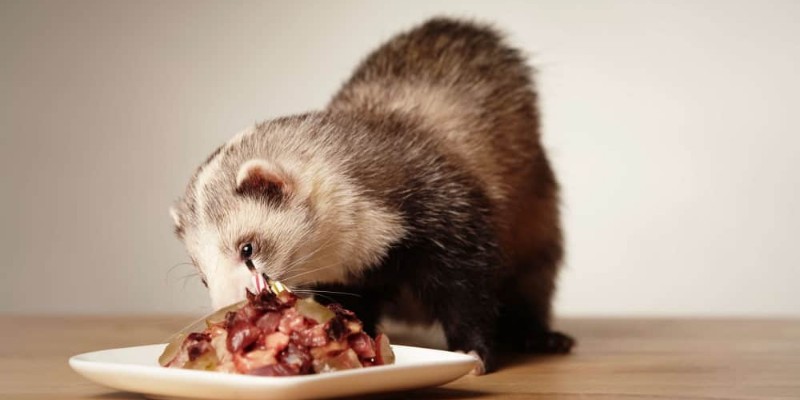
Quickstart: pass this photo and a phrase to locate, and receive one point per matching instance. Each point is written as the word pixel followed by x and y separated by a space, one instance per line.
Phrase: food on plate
pixel 276 333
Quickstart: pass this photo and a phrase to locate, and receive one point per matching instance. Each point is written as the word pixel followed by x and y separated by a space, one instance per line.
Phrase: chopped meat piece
pixel 274 333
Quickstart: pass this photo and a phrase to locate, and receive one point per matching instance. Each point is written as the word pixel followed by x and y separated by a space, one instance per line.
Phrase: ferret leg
pixel 524 321
pixel 467 311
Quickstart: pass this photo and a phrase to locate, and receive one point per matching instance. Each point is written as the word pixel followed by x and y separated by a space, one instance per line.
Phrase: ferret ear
pixel 260 178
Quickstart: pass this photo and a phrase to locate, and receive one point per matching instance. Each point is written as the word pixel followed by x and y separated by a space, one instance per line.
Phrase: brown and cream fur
pixel 424 176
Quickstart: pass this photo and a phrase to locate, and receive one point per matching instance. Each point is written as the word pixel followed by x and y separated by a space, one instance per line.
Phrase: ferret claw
pixel 480 367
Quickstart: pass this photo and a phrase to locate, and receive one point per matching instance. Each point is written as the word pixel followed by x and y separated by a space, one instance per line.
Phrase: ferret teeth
pixel 258 283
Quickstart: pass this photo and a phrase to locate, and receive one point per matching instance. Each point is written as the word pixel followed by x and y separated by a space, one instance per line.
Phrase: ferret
pixel 422 186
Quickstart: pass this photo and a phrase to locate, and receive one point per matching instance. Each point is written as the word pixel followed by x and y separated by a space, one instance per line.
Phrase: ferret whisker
pixel 185 278
pixel 314 291
pixel 311 254
pixel 323 296
pixel 180 264
pixel 171 270
pixel 310 271
pixel 189 275
pixel 305 258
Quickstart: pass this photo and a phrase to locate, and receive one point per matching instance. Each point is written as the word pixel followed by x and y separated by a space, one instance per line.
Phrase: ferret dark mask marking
pixel 423 183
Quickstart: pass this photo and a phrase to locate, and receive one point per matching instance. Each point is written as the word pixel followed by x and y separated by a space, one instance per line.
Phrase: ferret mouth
pixel 259 281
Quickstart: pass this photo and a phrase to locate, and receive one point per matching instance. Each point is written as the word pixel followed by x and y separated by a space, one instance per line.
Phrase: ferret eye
pixel 246 251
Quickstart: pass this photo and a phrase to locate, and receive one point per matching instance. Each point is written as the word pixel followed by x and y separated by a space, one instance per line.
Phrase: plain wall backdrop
pixel 673 126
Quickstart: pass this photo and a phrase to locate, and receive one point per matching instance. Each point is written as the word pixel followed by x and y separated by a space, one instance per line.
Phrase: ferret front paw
pixel 480 366
pixel 549 342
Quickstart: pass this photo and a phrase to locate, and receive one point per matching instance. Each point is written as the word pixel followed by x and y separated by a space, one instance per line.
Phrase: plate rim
pixel 78 362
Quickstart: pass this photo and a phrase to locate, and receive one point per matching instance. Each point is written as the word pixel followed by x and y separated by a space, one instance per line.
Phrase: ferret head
pixel 274 198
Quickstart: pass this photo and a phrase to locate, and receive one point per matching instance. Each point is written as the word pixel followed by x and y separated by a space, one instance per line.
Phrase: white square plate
pixel 136 369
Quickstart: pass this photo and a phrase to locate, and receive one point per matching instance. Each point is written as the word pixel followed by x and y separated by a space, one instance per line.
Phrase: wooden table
pixel 616 358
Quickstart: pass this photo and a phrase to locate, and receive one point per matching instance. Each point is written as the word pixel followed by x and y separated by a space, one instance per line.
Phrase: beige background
pixel 673 126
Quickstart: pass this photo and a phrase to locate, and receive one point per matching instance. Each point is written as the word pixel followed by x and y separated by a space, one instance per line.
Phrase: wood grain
pixel 615 359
